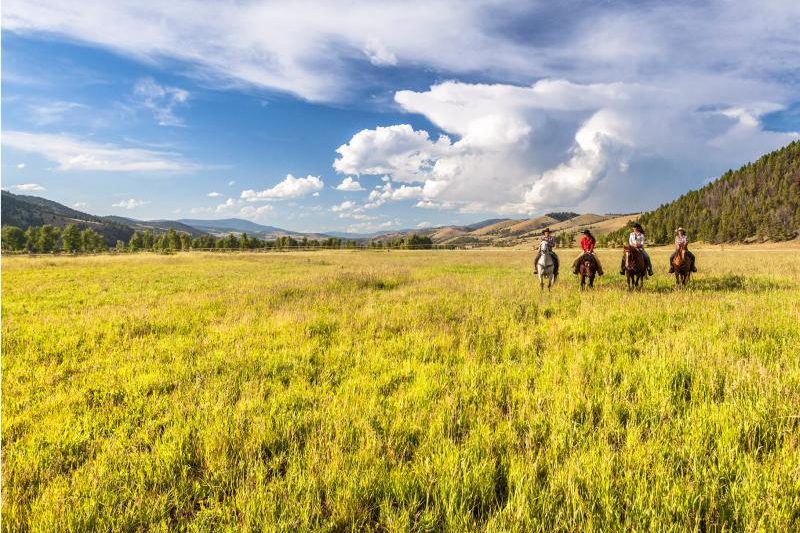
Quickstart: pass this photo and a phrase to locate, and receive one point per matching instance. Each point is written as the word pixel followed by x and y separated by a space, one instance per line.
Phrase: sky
pixel 363 116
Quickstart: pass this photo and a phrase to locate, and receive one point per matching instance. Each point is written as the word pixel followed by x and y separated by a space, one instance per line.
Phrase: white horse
pixel 545 267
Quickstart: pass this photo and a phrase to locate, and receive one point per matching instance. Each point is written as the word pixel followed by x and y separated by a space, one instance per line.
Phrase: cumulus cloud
pixel 290 187
pixel 20 165
pixel 28 187
pixel 71 153
pixel 161 100
pixel 344 206
pixel 523 149
pixel 213 194
pixel 80 205
pixel 238 208
pixel 350 209
pixel 131 203
pixel 349 185
pixel 253 212
pixel 231 183
pixel 381 194
pixel 402 152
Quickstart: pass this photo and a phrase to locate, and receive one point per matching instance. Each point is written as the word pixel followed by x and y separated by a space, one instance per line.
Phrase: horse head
pixel 544 247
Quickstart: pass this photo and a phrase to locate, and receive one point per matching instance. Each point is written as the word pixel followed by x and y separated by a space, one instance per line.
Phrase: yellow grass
pixel 399 391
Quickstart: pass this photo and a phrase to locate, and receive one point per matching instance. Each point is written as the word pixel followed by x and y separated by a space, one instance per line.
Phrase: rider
pixel 546 237
pixel 587 245
pixel 681 239
pixel 636 239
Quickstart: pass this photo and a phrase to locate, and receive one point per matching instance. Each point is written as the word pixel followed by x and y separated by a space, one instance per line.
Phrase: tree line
pixel 71 239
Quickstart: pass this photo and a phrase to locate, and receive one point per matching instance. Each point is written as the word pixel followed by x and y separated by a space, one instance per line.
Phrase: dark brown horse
pixel 634 267
pixel 682 265
pixel 587 268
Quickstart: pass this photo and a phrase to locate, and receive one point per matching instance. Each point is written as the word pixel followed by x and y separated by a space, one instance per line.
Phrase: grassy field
pixel 399 391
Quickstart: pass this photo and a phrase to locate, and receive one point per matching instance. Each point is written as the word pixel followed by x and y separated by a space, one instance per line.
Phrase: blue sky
pixel 366 116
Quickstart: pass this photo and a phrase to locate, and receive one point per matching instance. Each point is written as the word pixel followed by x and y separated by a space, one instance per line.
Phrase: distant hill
pixel 156 226
pixel 225 226
pixel 512 232
pixel 24 211
pixel 760 201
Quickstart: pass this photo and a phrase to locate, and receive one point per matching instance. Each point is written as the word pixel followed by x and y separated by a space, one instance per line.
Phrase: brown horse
pixel 587 268
pixel 634 267
pixel 682 265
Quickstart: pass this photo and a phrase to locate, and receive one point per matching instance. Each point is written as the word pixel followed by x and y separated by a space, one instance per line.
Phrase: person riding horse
pixel 636 239
pixel 546 237
pixel 681 239
pixel 587 245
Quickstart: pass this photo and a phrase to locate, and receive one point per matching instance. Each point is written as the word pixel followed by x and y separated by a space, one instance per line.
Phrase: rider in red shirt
pixel 587 245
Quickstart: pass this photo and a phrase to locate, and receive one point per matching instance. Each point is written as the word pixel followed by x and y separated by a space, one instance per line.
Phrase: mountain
pixel 230 224
pixel 156 226
pixel 760 201
pixel 225 226
pixel 24 211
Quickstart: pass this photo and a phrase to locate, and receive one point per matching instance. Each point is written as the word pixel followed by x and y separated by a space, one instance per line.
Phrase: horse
pixel 682 266
pixel 634 267
pixel 545 267
pixel 587 268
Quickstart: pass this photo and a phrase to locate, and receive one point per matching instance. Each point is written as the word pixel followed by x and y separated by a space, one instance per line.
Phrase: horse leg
pixel 591 281
pixel 583 281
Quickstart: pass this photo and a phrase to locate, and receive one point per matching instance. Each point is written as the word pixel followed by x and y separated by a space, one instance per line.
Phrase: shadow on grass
pixel 724 283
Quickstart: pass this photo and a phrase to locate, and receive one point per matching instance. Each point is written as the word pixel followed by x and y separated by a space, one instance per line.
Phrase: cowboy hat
pixel 586 232
pixel 546 230
pixel 680 230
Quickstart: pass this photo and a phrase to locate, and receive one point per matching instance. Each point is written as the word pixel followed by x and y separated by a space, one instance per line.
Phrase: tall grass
pixel 400 391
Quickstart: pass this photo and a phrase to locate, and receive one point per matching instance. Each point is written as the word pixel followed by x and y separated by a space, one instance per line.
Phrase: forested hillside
pixel 760 201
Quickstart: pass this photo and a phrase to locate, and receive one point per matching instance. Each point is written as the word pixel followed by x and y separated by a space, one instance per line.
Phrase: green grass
pixel 399 391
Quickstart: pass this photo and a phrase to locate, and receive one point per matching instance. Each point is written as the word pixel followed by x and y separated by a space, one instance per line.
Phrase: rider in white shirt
pixel 552 242
pixel 637 240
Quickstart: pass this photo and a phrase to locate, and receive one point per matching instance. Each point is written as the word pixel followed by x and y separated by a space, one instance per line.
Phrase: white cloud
pixel 161 100
pixel 80 205
pixel 253 212
pixel 131 203
pixel 239 208
pixel 290 187
pixel 402 152
pixel 227 205
pixel 344 206
pixel 231 183
pixel 523 149
pixel 378 54
pixel 28 187
pixel 52 112
pixel 424 224
pixel 350 185
pixel 213 194
pixel 75 154
pixel 21 166
pixel 371 227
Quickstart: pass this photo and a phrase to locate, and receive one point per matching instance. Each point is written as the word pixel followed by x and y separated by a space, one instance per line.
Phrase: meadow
pixel 398 391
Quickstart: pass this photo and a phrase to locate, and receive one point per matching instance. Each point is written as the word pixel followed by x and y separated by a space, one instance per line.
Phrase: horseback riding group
pixel 635 263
